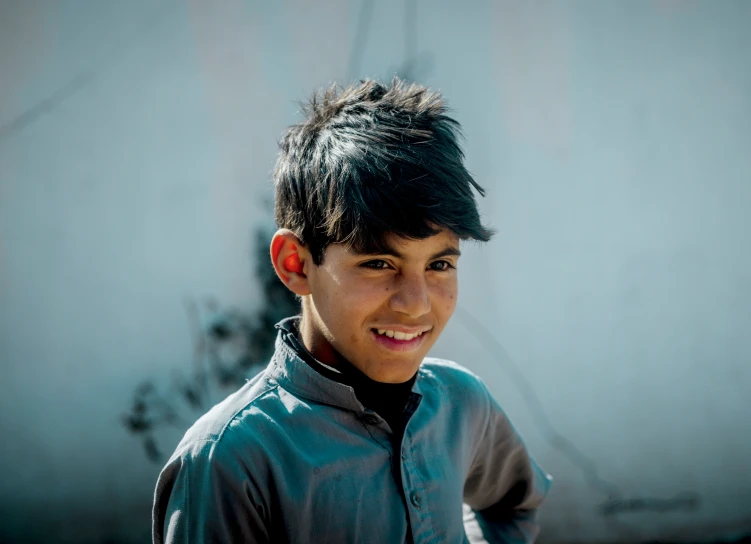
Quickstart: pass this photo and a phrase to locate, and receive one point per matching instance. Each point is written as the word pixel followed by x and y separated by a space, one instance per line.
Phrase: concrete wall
pixel 613 138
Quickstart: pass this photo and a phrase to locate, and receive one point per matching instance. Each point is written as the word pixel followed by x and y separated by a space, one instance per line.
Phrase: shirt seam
pixel 265 391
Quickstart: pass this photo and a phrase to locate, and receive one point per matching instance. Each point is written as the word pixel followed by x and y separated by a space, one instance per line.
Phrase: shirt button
pixel 415 498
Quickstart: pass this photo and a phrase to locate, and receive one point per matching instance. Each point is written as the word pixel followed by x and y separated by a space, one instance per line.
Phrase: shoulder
pixel 448 372
pixel 223 424
pixel 453 378
pixel 218 459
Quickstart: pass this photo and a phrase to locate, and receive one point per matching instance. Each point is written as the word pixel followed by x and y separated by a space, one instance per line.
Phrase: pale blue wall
pixel 613 139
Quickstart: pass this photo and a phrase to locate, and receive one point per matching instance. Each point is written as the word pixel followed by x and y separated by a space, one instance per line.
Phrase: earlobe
pixel 288 256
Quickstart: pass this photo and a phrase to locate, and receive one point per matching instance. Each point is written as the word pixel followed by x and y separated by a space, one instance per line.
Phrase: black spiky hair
pixel 370 161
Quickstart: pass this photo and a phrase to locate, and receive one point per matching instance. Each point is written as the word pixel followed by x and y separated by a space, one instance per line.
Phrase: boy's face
pixel 382 313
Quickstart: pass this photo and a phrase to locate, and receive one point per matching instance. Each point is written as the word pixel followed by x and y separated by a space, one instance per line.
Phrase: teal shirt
pixel 294 457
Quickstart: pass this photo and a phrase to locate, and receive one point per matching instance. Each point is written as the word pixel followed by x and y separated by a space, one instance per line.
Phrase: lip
pixel 402 328
pixel 393 344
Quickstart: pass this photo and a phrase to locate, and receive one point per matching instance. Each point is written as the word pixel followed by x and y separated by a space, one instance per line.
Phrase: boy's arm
pixel 504 486
pixel 204 495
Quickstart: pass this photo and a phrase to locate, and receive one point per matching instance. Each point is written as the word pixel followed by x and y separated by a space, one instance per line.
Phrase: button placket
pixel 415 499
pixel 405 444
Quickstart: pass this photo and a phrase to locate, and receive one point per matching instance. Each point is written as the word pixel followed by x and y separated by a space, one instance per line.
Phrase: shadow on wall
pixel 229 347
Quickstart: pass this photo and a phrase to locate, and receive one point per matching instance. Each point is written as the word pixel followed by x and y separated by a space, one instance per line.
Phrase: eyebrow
pixel 449 251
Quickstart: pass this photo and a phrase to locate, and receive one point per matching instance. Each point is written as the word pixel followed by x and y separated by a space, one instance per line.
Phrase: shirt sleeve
pixel 504 486
pixel 204 494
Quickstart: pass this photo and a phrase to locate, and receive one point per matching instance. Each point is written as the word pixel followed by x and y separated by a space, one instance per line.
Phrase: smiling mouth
pixel 399 335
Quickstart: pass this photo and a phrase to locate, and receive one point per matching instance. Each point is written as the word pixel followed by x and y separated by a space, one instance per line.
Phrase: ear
pixel 291 259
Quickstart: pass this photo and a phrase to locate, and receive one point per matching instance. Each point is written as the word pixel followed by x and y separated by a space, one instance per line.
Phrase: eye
pixel 441 266
pixel 376 264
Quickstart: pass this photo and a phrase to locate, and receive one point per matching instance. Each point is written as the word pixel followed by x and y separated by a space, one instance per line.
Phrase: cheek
pixel 451 303
pixel 364 296
pixel 445 298
pixel 354 302
pixel 325 293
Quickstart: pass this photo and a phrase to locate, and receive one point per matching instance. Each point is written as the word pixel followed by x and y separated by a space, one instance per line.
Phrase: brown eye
pixel 441 266
pixel 377 264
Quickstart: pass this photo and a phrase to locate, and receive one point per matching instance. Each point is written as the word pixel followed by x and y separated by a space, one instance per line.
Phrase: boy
pixel 351 435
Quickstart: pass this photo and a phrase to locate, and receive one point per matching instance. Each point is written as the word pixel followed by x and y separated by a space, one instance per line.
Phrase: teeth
pixel 398 335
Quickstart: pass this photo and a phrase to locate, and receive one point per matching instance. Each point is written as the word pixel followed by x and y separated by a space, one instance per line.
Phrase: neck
pixel 365 387
pixel 314 341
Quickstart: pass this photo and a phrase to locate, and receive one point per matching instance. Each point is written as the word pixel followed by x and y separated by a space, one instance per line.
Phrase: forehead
pixel 444 239
pixel 407 248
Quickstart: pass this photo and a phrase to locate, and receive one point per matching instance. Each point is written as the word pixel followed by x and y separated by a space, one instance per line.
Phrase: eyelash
pixel 371 265
pixel 448 267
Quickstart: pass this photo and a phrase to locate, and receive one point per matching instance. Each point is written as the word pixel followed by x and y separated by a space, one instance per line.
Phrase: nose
pixel 412 296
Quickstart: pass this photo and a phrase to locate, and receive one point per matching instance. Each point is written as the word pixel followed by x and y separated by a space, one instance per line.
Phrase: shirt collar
pixel 300 378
